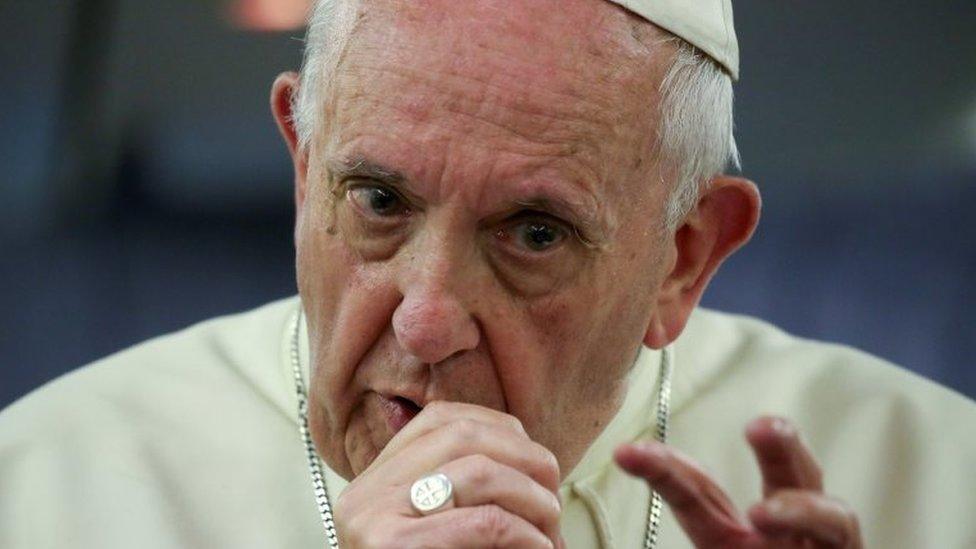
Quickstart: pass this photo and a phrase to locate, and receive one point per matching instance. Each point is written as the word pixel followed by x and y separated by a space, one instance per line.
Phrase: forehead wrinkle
pixel 526 130
pixel 585 43
pixel 478 94
pixel 550 136
pixel 581 80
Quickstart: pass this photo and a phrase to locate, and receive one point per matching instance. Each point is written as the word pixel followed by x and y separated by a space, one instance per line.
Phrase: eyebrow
pixel 361 167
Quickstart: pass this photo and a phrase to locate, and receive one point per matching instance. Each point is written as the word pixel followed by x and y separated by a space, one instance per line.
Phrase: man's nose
pixel 432 322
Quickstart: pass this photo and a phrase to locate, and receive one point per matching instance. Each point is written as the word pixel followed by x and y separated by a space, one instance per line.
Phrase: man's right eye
pixel 378 201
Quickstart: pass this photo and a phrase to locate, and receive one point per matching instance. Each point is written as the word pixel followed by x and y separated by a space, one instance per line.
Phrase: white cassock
pixel 191 440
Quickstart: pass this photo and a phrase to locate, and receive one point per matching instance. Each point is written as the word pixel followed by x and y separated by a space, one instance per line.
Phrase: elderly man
pixel 507 213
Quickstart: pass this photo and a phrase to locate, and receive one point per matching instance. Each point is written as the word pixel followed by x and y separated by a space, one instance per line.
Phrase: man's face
pixel 481 220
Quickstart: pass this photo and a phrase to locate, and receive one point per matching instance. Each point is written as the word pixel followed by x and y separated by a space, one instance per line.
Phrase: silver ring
pixel 430 493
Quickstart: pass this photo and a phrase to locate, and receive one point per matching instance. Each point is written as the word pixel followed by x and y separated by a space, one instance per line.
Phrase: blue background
pixel 144 186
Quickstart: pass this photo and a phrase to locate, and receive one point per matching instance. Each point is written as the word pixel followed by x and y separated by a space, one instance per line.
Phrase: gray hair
pixel 695 135
pixel 329 22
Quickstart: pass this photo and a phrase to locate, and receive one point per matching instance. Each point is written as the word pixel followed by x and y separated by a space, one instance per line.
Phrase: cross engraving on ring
pixel 431 492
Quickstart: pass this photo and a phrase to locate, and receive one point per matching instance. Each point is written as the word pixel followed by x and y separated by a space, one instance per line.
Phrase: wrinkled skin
pixel 481 253
pixel 446 301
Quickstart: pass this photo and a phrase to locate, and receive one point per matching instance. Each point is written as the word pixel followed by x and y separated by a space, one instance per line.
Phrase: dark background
pixel 144 186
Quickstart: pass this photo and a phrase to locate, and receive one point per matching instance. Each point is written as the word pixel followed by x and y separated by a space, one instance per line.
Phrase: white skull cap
pixel 705 24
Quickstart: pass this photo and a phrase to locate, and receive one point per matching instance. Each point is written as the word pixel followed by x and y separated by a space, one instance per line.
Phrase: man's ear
pixel 284 88
pixel 723 220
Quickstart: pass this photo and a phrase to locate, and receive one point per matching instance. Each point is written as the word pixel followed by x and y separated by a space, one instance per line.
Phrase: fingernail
pixel 782 427
pixel 778 510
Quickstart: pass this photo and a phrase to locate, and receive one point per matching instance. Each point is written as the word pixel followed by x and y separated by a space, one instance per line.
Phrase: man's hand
pixel 505 485
pixel 794 511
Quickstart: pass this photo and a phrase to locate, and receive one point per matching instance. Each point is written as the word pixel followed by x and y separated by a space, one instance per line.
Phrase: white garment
pixel 191 440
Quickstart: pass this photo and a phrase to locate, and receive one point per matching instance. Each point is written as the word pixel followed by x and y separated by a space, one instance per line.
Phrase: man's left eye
pixel 538 236
pixel 378 201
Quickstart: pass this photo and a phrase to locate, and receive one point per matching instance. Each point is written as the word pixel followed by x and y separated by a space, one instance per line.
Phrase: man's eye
pixel 379 201
pixel 538 236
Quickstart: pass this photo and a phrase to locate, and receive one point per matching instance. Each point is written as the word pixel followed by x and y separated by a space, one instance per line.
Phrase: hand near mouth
pixel 505 485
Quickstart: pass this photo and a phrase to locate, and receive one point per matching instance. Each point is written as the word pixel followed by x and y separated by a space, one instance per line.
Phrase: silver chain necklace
pixel 315 463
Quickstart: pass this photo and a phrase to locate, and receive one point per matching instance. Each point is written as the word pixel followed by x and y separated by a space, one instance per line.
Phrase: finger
pixel 440 413
pixel 827 521
pixel 784 460
pixel 479 480
pixel 486 526
pixel 466 437
pixel 702 508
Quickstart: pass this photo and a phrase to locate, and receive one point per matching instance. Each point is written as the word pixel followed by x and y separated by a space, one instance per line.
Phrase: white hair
pixel 329 27
pixel 694 137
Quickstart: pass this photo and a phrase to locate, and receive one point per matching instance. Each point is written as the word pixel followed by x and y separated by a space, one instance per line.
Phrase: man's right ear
pixel 284 88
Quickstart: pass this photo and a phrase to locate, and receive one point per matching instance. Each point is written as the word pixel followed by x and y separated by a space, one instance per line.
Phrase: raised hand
pixel 793 512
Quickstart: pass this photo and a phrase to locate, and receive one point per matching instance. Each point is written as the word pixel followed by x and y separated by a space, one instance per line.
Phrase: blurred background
pixel 144 186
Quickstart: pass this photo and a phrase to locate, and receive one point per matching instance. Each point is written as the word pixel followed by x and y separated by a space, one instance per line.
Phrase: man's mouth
pixel 399 411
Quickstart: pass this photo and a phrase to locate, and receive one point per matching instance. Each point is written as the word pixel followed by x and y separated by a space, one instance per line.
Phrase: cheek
pixel 347 299
pixel 595 329
pixel 536 347
pixel 348 304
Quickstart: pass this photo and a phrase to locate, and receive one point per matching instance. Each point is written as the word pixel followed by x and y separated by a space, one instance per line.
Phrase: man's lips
pixel 398 410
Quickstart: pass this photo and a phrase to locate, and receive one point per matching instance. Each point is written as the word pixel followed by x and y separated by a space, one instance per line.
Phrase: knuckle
pixel 466 431
pixel 515 424
pixel 479 468
pixel 437 409
pixel 847 524
pixel 544 467
pixel 492 523
pixel 548 462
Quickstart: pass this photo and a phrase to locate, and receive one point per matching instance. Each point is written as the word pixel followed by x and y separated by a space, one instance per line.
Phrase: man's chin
pixel 362 448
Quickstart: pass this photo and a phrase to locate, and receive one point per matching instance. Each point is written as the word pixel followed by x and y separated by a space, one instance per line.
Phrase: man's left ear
pixel 720 223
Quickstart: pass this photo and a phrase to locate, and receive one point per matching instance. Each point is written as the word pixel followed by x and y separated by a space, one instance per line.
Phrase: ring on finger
pixel 431 493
